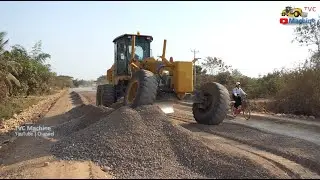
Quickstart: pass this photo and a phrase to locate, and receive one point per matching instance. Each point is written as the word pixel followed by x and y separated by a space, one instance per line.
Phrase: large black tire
pixel 217 109
pixel 98 95
pixel 146 90
pixel 106 95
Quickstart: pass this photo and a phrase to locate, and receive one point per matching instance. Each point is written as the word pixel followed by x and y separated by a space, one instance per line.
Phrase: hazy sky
pixel 78 35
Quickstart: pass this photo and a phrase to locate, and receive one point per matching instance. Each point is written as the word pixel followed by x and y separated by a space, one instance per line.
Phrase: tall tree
pixel 309 35
pixel 200 70
pixel 102 79
pixel 215 65
pixel 8 67
pixel 3 42
pixel 236 73
pixel 37 54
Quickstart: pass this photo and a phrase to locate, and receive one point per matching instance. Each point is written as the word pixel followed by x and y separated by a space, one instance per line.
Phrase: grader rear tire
pixel 105 95
pixel 141 90
pixel 217 107
pixel 98 95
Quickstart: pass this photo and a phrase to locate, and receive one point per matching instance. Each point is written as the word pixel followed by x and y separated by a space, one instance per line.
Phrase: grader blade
pixel 165 106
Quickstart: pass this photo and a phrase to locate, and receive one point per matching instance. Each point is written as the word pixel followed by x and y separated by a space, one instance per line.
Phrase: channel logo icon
pixel 284 20
pixel 297 21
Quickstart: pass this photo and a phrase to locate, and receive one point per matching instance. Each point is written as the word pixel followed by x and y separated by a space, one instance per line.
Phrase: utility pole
pixel 194 51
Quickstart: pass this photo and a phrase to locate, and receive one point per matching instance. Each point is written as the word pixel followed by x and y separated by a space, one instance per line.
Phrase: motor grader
pixel 139 79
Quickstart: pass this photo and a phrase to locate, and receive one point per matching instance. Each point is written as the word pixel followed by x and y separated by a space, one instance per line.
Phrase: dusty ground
pixel 271 154
pixel 306 130
pixel 29 157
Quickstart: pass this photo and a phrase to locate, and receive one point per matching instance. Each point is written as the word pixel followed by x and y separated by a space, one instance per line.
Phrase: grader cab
pixel 141 79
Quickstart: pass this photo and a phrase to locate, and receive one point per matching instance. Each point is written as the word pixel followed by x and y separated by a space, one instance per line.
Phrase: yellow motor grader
pixel 141 79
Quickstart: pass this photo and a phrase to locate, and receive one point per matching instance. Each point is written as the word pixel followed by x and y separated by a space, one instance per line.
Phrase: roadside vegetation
pixel 25 77
pixel 290 91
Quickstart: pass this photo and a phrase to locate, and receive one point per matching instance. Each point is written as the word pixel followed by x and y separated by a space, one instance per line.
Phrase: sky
pixel 79 35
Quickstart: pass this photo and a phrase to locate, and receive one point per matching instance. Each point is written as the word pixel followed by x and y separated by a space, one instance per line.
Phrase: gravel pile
pixel 80 118
pixel 142 143
pixel 76 99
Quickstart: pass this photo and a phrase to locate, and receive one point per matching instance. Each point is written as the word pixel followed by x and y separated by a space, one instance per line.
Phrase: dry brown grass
pixel 292 92
pixel 15 105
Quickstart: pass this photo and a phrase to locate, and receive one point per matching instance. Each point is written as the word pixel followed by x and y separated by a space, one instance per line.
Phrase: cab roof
pixel 127 35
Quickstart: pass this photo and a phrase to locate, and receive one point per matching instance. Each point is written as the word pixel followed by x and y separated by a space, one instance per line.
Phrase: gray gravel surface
pixel 297 150
pixel 81 117
pixel 142 143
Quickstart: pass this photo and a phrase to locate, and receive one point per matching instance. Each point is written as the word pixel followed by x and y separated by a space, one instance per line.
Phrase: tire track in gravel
pixel 87 98
pixel 297 150
pixel 84 98
pixel 293 169
pixel 260 156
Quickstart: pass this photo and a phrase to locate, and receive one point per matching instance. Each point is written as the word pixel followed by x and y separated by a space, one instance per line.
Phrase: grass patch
pixel 15 105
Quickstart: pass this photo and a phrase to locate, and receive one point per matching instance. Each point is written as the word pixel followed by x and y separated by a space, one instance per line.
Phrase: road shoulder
pixel 30 157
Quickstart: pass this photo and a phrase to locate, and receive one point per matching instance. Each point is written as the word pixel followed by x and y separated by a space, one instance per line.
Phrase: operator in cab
pixel 237 93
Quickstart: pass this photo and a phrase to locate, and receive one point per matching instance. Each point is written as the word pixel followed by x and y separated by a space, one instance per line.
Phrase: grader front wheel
pixel 213 106
pixel 141 90
pixel 105 95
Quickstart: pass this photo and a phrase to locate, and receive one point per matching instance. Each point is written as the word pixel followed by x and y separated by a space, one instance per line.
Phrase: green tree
pixel 309 35
pixel 3 42
pixel 214 65
pixel 200 70
pixel 9 69
pixel 236 73
pixel 37 54
pixel 23 73
pixel 102 79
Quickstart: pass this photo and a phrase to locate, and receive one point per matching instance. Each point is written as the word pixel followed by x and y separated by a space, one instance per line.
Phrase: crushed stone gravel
pixel 295 149
pixel 80 118
pixel 142 143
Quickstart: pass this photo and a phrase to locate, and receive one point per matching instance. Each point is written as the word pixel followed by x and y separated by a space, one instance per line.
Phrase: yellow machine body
pixel 181 72
pixel 110 74
pixel 182 76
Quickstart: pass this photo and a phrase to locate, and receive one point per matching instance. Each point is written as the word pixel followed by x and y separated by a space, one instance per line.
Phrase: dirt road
pixel 261 153
pixel 29 157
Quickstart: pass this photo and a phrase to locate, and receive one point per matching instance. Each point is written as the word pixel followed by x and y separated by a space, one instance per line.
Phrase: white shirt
pixel 237 91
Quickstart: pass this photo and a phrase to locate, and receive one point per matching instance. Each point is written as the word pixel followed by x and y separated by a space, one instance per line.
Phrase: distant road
pixel 81 89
